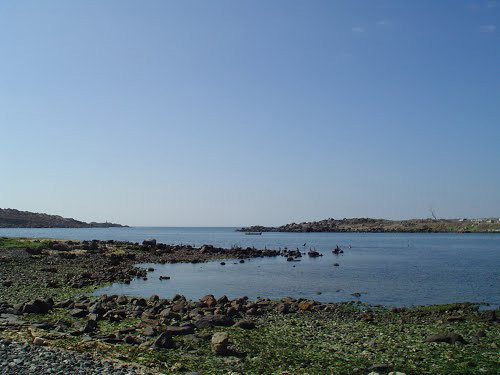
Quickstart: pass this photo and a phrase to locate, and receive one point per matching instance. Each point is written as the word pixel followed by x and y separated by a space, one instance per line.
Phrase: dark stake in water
pixel 388 269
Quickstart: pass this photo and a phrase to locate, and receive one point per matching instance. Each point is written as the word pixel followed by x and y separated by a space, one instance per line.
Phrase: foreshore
pixel 45 301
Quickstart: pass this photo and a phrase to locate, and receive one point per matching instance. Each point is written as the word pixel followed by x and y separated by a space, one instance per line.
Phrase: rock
pixel 122 300
pixel 164 341
pixel 283 308
pixel 39 341
pixel 78 313
pixel 357 295
pixel 131 340
pixel 151 242
pixel 245 324
pixel 90 326
pixel 178 331
pixel 149 331
pixel 306 305
pixel 219 343
pixel 336 264
pixel 450 338
pixel 380 367
pixel 222 263
pixel 37 306
pixel 209 300
pixel 7 283
pixel 214 321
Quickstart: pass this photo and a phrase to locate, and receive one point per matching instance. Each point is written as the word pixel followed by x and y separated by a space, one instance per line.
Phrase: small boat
pixel 253 233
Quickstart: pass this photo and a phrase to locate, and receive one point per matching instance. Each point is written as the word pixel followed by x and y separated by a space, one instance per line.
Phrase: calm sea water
pixel 387 269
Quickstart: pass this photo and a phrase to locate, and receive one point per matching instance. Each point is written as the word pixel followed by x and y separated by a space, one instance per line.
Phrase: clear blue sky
pixel 250 112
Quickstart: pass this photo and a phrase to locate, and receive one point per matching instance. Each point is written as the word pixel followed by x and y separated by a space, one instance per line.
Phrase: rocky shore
pixel 385 226
pixel 47 315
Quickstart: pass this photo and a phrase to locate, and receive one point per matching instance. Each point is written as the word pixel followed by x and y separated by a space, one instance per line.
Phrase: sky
pixel 230 113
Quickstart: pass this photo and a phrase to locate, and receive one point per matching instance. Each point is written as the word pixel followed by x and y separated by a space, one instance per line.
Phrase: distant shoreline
pixel 368 225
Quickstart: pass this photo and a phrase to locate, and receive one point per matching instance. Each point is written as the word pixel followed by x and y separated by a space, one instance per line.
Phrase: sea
pixel 389 269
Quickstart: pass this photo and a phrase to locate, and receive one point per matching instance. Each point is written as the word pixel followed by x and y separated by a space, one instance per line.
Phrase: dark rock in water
pixel 164 341
pixel 242 261
pixel 450 338
pixel 314 254
pixel 336 264
pixel 222 263
pixel 151 242
pixel 78 313
pixel 245 324
pixel 357 295
pixel 219 343
pixel 164 277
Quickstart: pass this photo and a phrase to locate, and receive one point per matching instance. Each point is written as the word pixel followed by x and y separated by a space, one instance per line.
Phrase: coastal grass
pixel 22 243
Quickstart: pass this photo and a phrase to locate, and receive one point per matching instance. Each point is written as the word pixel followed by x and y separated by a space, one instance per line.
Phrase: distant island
pixel 391 226
pixel 11 218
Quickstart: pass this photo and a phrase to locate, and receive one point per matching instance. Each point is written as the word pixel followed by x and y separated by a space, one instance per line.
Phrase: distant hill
pixel 392 226
pixel 10 218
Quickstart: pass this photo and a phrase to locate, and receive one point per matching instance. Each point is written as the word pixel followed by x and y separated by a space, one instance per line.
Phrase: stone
pixel 78 313
pixel 219 343
pixel 164 341
pixel 245 324
pixel 209 300
pixel 149 331
pixel 306 305
pixel 150 242
pixel 449 338
pixel 178 331
pixel 122 300
pixel 38 341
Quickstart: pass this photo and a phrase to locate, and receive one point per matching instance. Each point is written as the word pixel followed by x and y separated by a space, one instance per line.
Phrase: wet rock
pixel 450 338
pixel 219 343
pixel 357 295
pixel 151 242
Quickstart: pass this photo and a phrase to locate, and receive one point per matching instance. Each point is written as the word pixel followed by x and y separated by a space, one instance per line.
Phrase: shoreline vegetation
pixel 46 302
pixel 11 218
pixel 368 225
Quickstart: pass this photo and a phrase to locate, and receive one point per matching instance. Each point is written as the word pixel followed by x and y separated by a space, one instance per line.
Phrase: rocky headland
pixel 383 225
pixel 11 218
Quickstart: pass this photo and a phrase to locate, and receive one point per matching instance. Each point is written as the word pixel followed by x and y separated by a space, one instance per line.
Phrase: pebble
pixel 16 358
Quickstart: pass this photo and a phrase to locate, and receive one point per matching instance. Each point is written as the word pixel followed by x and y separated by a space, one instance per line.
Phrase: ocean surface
pixel 387 269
